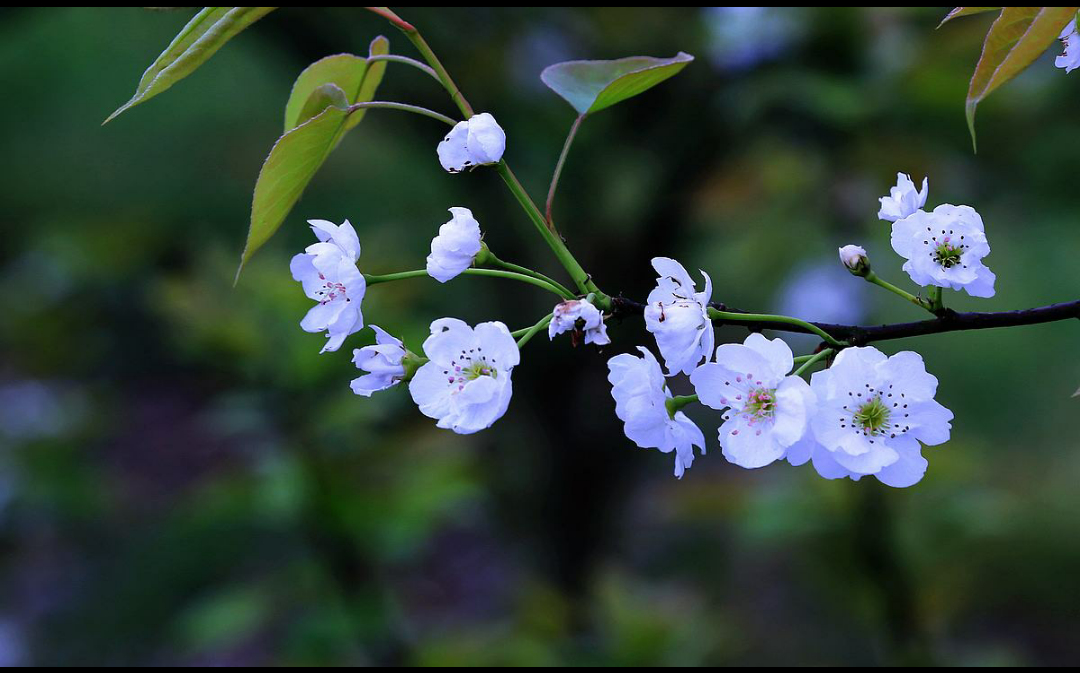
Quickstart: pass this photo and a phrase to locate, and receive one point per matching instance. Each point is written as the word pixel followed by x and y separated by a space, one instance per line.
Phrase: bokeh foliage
pixel 183 479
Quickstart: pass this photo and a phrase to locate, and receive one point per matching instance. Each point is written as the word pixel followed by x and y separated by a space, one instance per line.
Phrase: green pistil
pixel 947 255
pixel 872 417
pixel 478 369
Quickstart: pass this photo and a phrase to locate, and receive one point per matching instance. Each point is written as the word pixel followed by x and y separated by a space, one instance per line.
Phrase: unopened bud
pixel 855 259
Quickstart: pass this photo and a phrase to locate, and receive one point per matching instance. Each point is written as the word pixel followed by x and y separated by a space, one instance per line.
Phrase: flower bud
pixel 855 259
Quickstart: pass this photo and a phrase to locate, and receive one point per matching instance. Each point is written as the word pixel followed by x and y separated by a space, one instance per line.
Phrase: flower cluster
pixel 865 414
pixel 463 378
pixel 943 248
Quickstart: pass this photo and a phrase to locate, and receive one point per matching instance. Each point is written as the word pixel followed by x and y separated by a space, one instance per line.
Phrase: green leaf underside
pixel 1016 38
pixel 207 32
pixel 591 86
pixel 344 70
pixel 297 156
pixel 966 11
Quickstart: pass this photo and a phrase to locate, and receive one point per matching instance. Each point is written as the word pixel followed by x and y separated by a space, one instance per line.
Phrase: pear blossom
pixel 456 246
pixel 855 259
pixel 872 413
pixel 465 385
pixel 903 199
pixel 677 315
pixel 382 361
pixel 768 410
pixel 1070 60
pixel 945 248
pixel 637 384
pixel 568 314
pixel 475 142
pixel 327 270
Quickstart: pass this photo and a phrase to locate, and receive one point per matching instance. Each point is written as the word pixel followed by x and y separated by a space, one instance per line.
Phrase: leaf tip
pixel 240 268
pixel 116 113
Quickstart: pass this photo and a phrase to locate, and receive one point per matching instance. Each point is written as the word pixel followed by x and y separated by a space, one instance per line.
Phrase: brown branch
pixel 857 335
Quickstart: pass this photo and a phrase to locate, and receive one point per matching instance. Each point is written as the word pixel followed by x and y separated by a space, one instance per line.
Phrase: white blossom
pixel 455 248
pixel 382 361
pixel 677 316
pixel 903 199
pixel 465 385
pixel 768 410
pixel 1070 60
pixel 327 270
pixel 872 413
pixel 475 142
pixel 945 248
pixel 855 259
pixel 566 316
pixel 637 384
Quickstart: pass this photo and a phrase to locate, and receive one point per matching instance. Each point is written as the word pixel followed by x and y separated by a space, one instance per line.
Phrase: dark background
pixel 183 479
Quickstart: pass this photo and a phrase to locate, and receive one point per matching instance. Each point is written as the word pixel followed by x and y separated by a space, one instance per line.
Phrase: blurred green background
pixel 184 480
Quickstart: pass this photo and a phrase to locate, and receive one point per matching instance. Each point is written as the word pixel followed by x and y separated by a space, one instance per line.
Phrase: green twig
pixel 494 273
pixel 404 107
pixel 559 166
pixel 528 272
pixel 394 58
pixel 813 359
pixel 727 316
pixel 532 331
pixel 581 279
pixel 553 239
pixel 872 277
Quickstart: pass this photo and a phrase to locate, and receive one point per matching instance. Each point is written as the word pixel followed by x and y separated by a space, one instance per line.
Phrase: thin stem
pixel 813 359
pixel 872 277
pixel 440 71
pixel 532 331
pixel 529 272
pixel 937 305
pixel 762 317
pixel 394 58
pixel 393 18
pixel 554 241
pixel 404 107
pixel 494 273
pixel 559 165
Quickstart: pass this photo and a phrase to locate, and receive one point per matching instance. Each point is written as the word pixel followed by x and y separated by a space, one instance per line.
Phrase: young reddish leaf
pixel 966 11
pixel 1016 38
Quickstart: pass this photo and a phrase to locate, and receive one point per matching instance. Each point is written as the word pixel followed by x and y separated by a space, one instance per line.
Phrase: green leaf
pixel 298 155
pixel 1016 39
pixel 346 71
pixel 197 42
pixel 322 98
pixel 965 11
pixel 591 86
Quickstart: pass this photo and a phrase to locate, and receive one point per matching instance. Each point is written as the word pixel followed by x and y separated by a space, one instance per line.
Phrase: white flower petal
pixel 452 152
